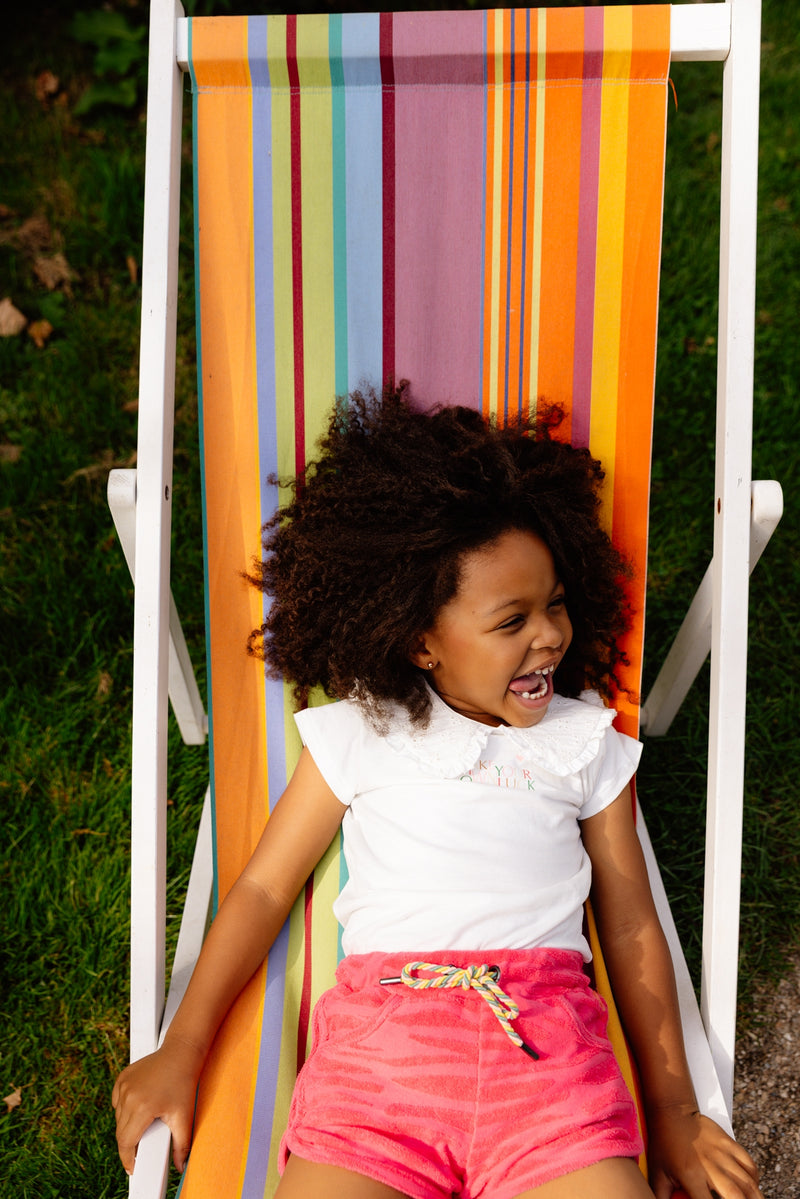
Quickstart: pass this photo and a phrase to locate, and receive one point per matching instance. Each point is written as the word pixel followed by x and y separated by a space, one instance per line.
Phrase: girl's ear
pixel 421 655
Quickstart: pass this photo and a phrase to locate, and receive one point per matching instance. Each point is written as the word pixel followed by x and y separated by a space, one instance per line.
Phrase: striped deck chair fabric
pixel 471 201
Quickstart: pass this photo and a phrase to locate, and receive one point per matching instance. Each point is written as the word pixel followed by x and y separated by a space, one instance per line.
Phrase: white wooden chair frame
pixel 745 514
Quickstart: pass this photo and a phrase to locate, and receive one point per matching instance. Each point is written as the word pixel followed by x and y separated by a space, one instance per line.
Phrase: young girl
pixel 451 584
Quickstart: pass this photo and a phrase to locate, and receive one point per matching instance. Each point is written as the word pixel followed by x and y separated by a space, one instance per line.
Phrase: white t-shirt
pixel 463 836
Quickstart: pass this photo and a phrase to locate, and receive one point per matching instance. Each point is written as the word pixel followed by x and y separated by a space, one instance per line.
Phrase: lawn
pixel 70 238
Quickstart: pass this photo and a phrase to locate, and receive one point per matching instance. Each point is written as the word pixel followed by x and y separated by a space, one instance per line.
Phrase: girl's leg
pixel 613 1178
pixel 309 1180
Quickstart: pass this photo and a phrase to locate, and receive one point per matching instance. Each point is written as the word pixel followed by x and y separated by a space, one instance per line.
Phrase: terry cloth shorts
pixel 424 1091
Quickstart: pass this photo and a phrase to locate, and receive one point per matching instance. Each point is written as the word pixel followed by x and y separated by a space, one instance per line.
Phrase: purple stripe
pixel 263 255
pixel 257 1164
pixel 587 225
pixel 439 172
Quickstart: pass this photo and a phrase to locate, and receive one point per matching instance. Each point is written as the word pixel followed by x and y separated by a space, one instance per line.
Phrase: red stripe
pixel 305 992
pixel 387 79
pixel 297 242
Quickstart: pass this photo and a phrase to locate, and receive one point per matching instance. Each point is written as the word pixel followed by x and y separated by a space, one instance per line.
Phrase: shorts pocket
pixel 587 1014
pixel 349 1017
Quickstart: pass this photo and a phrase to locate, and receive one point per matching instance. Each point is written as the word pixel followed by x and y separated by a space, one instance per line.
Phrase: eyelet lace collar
pixel 565 740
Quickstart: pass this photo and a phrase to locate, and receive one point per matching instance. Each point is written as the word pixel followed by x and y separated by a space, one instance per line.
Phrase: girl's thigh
pixel 309 1180
pixel 613 1178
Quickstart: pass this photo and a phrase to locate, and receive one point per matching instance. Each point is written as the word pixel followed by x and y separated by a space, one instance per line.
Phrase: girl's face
pixel 495 645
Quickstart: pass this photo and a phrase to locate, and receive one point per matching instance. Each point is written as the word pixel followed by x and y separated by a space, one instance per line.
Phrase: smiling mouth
pixel 540 681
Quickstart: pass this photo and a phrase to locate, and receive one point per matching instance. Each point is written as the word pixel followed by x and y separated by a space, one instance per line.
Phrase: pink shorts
pixel 424 1091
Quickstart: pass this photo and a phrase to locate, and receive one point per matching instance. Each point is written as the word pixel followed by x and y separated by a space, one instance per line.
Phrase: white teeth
pixel 535 694
pixel 541 689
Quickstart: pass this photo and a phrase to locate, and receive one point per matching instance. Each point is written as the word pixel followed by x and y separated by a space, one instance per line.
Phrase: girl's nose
pixel 547 635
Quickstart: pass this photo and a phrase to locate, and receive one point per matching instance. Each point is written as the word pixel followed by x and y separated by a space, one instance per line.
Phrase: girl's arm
pixel 685 1148
pixel 163 1085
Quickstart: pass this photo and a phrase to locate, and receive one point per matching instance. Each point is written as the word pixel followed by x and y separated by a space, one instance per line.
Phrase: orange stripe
pixel 219 52
pixel 219 1159
pixel 560 211
pixel 233 519
pixel 231 437
pixel 644 190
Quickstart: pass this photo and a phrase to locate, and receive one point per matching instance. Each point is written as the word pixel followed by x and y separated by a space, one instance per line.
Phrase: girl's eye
pixel 558 602
pixel 513 623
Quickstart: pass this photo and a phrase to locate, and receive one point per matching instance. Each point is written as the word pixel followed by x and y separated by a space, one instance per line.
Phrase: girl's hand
pixel 690 1151
pixel 161 1086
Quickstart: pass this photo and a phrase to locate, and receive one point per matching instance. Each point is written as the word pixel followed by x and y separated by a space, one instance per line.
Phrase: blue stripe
pixel 363 142
pixel 339 185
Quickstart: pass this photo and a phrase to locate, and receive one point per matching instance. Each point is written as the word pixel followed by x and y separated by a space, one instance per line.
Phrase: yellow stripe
pixel 293 989
pixel 610 245
pixel 324 930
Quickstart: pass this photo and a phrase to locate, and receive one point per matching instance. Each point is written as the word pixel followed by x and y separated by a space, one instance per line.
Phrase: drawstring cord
pixel 482 979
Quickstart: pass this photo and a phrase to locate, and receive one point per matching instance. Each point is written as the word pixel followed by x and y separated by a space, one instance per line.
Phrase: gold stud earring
pixel 430 666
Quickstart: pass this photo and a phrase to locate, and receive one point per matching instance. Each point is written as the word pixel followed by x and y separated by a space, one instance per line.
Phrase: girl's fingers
pixel 126 1147
pixel 663 1187
pixel 181 1141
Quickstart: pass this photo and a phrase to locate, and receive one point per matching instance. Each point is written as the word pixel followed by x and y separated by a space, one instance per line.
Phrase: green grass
pixel 68 411
pixel 672 778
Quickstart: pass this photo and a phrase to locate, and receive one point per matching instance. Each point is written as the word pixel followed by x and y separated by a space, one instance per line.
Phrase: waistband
pixel 558 968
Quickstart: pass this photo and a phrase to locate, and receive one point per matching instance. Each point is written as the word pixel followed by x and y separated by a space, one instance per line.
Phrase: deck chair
pixel 472 201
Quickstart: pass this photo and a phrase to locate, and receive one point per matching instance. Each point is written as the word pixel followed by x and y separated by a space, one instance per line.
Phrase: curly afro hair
pixel 363 557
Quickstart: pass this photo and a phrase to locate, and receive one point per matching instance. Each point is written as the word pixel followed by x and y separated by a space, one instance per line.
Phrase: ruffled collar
pixel 565 740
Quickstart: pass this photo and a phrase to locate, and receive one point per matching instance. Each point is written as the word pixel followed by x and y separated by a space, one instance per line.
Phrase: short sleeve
pixel 607 775
pixel 333 734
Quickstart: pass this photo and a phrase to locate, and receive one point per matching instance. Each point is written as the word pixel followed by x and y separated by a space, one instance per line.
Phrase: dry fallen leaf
pixel 99 470
pixel 104 684
pixel 35 234
pixel 14 1099
pixel 12 320
pixel 40 332
pixel 46 85
pixel 53 271
pixel 10 453
pixel 133 268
